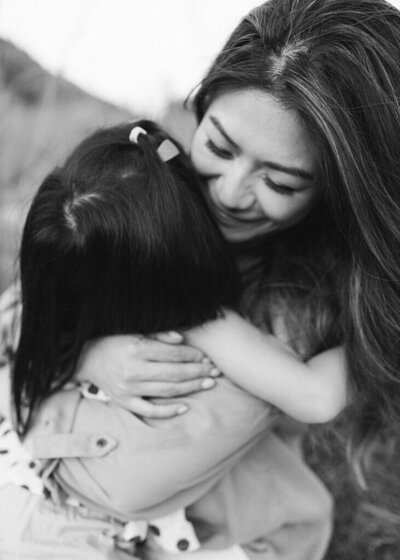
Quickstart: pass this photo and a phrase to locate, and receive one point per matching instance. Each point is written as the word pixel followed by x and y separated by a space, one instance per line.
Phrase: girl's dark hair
pixel 116 241
pixel 337 64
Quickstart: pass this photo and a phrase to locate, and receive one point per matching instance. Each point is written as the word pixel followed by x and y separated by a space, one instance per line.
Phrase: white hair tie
pixel 166 150
pixel 135 132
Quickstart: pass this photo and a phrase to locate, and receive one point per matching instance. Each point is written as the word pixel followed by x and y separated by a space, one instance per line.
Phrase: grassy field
pixel 42 117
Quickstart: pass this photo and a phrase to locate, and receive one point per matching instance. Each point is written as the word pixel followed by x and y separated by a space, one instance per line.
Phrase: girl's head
pixel 116 241
pixel 321 83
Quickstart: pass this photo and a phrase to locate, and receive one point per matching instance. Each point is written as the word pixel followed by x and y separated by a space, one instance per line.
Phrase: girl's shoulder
pixel 10 321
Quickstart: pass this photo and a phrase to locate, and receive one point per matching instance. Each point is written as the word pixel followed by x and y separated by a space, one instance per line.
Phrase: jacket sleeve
pixel 147 467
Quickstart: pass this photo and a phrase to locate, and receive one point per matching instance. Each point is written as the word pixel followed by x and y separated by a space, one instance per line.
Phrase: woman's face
pixel 260 164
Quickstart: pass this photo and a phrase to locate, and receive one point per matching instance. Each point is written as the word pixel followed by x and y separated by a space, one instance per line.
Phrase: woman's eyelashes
pixel 223 153
pixel 219 152
pixel 280 189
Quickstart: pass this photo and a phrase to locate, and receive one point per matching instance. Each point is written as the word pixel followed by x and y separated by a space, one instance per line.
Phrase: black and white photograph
pixel 200 280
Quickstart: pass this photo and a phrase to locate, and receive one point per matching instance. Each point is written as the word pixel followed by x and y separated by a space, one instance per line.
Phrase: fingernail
pixel 182 409
pixel 214 372
pixel 175 335
pixel 208 383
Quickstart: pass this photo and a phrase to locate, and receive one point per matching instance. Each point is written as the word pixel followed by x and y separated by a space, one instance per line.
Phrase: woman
pixel 298 138
pixel 305 188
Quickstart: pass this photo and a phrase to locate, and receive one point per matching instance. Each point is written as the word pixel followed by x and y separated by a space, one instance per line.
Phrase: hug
pixel 269 254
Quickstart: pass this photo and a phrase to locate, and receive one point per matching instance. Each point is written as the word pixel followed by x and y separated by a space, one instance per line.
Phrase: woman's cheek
pixel 202 162
pixel 196 152
pixel 288 213
pixel 275 206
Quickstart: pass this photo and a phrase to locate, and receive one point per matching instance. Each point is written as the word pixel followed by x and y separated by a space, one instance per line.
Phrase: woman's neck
pixel 249 258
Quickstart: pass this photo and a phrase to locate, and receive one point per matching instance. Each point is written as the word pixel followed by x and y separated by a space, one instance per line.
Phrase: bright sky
pixel 135 53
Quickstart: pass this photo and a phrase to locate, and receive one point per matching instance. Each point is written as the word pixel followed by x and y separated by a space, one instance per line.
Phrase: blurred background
pixel 69 66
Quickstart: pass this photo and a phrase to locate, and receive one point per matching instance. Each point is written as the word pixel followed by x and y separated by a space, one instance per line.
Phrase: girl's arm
pixel 311 392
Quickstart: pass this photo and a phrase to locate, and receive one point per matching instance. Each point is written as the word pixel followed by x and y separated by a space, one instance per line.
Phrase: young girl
pixel 120 240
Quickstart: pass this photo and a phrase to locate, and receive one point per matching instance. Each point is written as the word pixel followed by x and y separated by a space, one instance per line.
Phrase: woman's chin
pixel 245 234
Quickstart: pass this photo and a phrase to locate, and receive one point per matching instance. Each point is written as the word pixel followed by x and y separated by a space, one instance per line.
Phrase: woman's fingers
pixel 147 409
pixel 170 337
pixel 171 390
pixel 176 373
pixel 154 350
pixel 129 367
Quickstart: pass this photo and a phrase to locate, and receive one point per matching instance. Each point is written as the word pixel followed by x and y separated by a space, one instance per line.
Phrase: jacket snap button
pixel 101 442
pixel 183 544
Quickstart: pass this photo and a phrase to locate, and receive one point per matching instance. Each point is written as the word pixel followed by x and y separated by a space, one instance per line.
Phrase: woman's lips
pixel 231 220
pixel 238 224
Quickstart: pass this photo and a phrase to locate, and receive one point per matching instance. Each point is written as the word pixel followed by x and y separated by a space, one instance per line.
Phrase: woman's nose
pixel 234 189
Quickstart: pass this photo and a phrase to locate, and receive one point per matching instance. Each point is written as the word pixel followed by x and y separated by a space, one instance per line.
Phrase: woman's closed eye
pixel 281 189
pixel 224 153
pixel 219 152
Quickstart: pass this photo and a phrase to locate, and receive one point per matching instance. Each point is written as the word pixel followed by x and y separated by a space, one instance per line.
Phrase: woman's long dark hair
pixel 116 241
pixel 337 64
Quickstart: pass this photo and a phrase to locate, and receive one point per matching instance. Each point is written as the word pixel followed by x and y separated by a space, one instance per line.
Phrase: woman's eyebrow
pixel 222 131
pixel 295 171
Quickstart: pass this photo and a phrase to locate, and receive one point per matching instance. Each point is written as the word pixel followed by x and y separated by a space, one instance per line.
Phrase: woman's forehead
pixel 256 123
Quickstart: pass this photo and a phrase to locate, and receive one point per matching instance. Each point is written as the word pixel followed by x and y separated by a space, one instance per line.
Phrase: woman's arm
pixel 312 392
pixel 130 367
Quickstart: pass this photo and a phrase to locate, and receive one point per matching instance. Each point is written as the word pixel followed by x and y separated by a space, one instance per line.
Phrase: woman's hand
pixel 132 369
